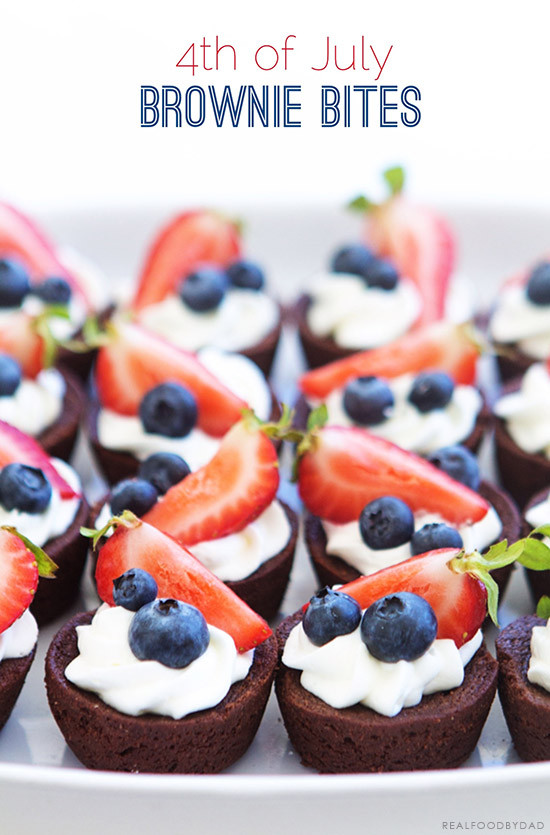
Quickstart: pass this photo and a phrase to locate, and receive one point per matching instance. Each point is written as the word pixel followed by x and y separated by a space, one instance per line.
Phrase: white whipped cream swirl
pixel 526 412
pixel 518 320
pixel 107 666
pixel 344 308
pixel 343 672
pixel 35 404
pixel 18 639
pixel 539 663
pixel 345 541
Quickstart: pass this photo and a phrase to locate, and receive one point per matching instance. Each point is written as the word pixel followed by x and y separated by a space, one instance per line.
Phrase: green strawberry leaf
pixel 361 204
pixel 126 518
pixel 543 607
pixel 317 417
pixel 395 178
pixel 542 530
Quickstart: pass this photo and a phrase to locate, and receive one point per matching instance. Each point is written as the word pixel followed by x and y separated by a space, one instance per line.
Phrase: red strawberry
pixel 441 346
pixel 181 576
pixel 136 360
pixel 16 447
pixel 19 339
pixel 19 573
pixel 226 494
pixel 458 600
pixel 418 241
pixel 346 468
pixel 191 239
pixel 20 238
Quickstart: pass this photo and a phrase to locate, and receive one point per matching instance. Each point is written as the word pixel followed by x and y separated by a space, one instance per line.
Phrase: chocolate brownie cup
pixel 526 706
pixel 440 732
pixel 318 350
pixel 332 570
pixel 13 672
pixel 205 742
pixel 265 588
pixel 59 439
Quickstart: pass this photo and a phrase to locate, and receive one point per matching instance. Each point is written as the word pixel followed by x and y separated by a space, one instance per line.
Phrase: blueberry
pixel 431 390
pixel 133 494
pixel 14 283
pixel 459 463
pixel 170 632
pixel 204 289
pixel 245 274
pixel 168 409
pixel 538 284
pixel 24 488
pixel 382 274
pixel 399 627
pixel 329 614
pixel 353 259
pixel 53 290
pixel 386 522
pixel 433 536
pixel 10 375
pixel 163 470
pixel 367 400
pixel 134 589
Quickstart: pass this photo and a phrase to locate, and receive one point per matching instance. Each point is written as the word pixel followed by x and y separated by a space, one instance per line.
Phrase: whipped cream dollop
pixel 345 541
pixel 516 319
pixel 238 373
pixel 345 309
pixel 18 639
pixel 35 404
pixel 107 666
pixel 539 664
pixel 539 514
pixel 422 432
pixel 526 411
pixel 238 555
pixel 55 519
pixel 343 672
pixel 244 318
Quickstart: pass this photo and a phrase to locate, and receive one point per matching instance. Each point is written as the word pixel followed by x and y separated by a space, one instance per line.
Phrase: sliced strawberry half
pixel 441 346
pixel 136 360
pixel 16 447
pixel 19 339
pixel 225 495
pixel 19 237
pixel 19 573
pixel 346 467
pixel 191 239
pixel 181 576
pixel 458 600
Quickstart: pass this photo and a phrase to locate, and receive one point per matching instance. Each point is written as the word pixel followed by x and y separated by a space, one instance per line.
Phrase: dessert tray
pixel 44 789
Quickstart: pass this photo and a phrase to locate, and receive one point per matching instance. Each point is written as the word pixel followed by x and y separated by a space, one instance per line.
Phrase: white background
pixel 70 75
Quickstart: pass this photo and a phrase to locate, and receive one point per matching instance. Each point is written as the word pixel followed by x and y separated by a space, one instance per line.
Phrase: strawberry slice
pixel 344 468
pixel 136 360
pixel 418 241
pixel 16 447
pixel 441 346
pixel 226 494
pixel 19 573
pixel 19 339
pixel 191 239
pixel 19 237
pixel 181 576
pixel 458 600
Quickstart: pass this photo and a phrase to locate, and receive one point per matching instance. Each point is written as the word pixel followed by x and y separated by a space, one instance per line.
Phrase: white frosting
pixel 343 672
pixel 19 639
pixel 422 432
pixel 527 411
pixel 539 663
pixel 238 555
pixel 345 541
pixel 357 316
pixel 107 666
pixel 244 318
pixel 88 276
pixel 539 514
pixel 517 320
pixel 35 404
pixel 60 327
pixel 55 519
pixel 238 373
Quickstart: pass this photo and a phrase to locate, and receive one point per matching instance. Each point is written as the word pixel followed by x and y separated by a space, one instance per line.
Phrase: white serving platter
pixel 43 789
